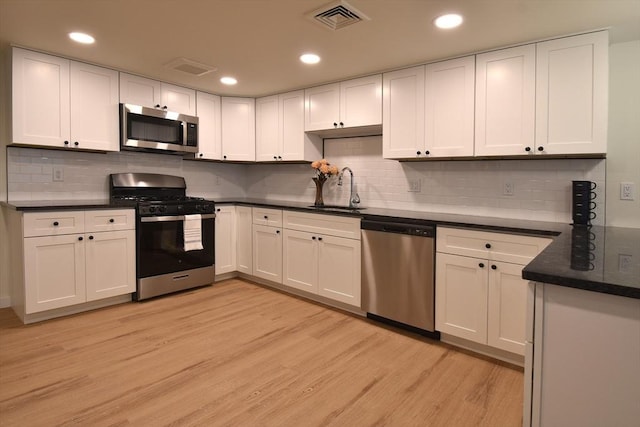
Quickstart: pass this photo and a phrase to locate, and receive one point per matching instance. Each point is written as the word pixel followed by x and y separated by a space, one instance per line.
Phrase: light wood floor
pixel 238 354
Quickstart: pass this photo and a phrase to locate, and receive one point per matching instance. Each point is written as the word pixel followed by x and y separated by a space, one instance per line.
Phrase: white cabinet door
pixel 268 142
pixel 238 129
pixel 138 90
pixel 505 101
pixel 94 108
pixel 322 107
pixel 449 108
pixel 267 253
pixel 294 144
pixel 339 269
pixel 571 94
pixel 179 99
pixel 300 260
pixel 41 102
pixel 461 297
pixel 225 243
pixel 244 239
pixel 209 126
pixel 403 113
pixel 361 101
pixel 507 306
pixel 54 272
pixel 110 264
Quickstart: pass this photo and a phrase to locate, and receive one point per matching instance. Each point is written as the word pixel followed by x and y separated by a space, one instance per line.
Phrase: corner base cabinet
pixel 68 258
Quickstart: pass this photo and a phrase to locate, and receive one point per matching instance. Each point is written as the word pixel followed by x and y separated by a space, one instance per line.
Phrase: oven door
pixel 161 246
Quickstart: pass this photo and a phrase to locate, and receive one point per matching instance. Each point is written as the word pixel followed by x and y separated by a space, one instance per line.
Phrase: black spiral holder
pixel 583 204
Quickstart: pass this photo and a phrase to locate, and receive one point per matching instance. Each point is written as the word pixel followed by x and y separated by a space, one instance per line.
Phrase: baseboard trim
pixel 5 302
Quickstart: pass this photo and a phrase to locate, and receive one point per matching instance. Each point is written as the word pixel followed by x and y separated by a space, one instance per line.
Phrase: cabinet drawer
pixel 53 223
pixel 492 246
pixel 109 220
pixel 266 216
pixel 332 225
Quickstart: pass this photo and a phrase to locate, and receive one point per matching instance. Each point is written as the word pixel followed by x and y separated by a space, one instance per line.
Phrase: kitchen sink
pixel 337 208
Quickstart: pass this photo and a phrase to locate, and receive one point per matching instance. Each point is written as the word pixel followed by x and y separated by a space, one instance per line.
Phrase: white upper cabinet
pixel 267 129
pixel 348 104
pixel 209 126
pixel 95 121
pixel 154 94
pixel 505 101
pixel 572 95
pixel 403 113
pixel 449 108
pixel 361 101
pixel 238 129
pixel 138 90
pixel 62 103
pixel 280 130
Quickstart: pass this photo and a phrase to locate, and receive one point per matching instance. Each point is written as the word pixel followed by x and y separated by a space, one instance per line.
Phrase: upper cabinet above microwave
pixel 60 103
pixel 145 92
pixel 352 107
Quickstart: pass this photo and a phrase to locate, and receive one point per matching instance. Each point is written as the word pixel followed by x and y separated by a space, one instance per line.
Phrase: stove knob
pixel 162 208
pixel 152 209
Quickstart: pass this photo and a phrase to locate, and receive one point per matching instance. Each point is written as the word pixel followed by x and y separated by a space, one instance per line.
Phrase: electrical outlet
pixel 58 174
pixel 508 188
pixel 626 190
pixel 415 185
pixel 624 263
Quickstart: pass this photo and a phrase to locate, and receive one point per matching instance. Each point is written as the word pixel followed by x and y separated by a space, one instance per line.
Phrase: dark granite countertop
pixel 599 259
pixel 48 205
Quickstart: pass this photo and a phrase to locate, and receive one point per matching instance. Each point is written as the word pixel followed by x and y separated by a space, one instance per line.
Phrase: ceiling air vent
pixel 337 15
pixel 190 67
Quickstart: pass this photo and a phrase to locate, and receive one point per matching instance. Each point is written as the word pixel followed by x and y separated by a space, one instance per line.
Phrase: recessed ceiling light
pixel 228 81
pixel 310 58
pixel 82 38
pixel 448 21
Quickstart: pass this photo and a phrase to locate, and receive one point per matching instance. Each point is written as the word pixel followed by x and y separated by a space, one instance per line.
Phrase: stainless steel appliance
pixel 398 274
pixel 156 129
pixel 165 263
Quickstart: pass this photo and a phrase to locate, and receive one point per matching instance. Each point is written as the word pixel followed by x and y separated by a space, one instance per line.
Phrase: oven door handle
pixel 171 218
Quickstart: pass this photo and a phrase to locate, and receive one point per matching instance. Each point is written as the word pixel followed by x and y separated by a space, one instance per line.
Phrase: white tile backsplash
pixel 30 174
pixel 542 188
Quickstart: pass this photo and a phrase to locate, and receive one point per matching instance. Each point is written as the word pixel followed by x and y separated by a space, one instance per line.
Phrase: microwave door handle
pixel 171 218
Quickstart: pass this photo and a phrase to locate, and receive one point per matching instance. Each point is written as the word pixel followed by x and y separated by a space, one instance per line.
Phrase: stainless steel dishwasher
pixel 398 274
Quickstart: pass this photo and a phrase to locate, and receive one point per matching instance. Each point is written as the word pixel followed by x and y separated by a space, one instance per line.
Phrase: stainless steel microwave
pixel 144 128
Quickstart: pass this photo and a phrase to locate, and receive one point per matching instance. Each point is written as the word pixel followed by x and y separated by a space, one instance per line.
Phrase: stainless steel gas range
pixel 174 233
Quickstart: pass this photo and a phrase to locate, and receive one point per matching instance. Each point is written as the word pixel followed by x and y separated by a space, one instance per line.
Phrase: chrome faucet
pixel 354 199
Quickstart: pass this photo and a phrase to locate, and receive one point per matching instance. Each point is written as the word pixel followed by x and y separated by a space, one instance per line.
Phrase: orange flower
pixel 324 169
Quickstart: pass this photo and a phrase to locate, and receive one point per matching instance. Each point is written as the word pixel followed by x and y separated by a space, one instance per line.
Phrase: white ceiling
pixel 259 41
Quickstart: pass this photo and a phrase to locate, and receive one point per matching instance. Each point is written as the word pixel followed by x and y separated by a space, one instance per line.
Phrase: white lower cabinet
pixel 318 259
pixel 225 236
pixel 73 257
pixel 244 239
pixel 54 272
pixel 267 252
pixel 480 294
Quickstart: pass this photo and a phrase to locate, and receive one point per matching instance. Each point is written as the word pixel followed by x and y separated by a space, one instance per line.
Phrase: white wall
pixel 623 156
